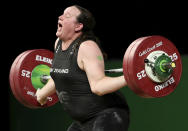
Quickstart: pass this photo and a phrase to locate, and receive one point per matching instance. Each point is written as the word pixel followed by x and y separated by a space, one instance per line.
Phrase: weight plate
pixel 23 73
pixel 137 72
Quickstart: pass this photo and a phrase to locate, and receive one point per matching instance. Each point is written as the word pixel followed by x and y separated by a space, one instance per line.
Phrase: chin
pixel 58 34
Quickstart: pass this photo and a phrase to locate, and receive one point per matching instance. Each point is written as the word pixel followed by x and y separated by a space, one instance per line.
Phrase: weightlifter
pixel 92 99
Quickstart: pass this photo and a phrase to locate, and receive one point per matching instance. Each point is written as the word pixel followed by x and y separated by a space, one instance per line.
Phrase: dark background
pixel 33 25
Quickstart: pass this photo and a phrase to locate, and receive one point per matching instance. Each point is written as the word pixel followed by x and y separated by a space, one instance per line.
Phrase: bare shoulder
pixel 88 53
pixel 90 47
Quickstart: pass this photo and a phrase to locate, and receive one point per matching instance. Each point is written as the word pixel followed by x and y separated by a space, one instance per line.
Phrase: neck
pixel 67 42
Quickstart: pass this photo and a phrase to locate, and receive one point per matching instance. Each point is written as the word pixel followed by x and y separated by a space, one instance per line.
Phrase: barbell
pixel 152 68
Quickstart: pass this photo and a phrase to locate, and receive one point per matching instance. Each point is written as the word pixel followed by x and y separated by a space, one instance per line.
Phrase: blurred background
pixel 32 25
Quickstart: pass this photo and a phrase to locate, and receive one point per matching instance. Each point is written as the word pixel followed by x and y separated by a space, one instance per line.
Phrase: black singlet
pixel 73 88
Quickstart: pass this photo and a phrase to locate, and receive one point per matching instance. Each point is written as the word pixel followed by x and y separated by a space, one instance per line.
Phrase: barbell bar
pixel 151 66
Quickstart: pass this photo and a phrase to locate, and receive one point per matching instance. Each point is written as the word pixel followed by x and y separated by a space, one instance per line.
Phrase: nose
pixel 61 17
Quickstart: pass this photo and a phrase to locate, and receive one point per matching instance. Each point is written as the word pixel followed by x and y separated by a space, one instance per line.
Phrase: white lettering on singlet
pixel 61 71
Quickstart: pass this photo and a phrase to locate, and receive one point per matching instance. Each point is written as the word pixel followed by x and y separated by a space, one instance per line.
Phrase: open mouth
pixel 59 26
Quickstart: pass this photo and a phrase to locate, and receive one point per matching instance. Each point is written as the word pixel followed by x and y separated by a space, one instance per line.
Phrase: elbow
pixel 96 91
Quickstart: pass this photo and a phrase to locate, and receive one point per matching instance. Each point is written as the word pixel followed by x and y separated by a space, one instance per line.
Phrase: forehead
pixel 72 10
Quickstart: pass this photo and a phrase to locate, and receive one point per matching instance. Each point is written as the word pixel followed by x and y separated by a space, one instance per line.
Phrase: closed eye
pixel 67 15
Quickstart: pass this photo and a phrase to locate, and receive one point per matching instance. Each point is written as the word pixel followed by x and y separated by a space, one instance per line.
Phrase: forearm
pixel 48 89
pixel 108 85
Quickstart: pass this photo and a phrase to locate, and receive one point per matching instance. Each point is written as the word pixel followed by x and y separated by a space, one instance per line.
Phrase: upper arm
pixel 92 60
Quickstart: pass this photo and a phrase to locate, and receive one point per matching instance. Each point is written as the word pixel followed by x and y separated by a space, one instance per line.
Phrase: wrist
pixel 124 82
pixel 40 94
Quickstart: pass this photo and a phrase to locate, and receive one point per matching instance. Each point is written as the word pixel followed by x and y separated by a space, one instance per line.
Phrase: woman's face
pixel 67 23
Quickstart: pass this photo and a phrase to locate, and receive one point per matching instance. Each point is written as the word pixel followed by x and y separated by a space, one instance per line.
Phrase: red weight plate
pixel 11 79
pixel 129 60
pixel 17 88
pixel 125 66
pixel 27 90
pixel 11 75
pixel 125 71
pixel 136 66
pixel 27 63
